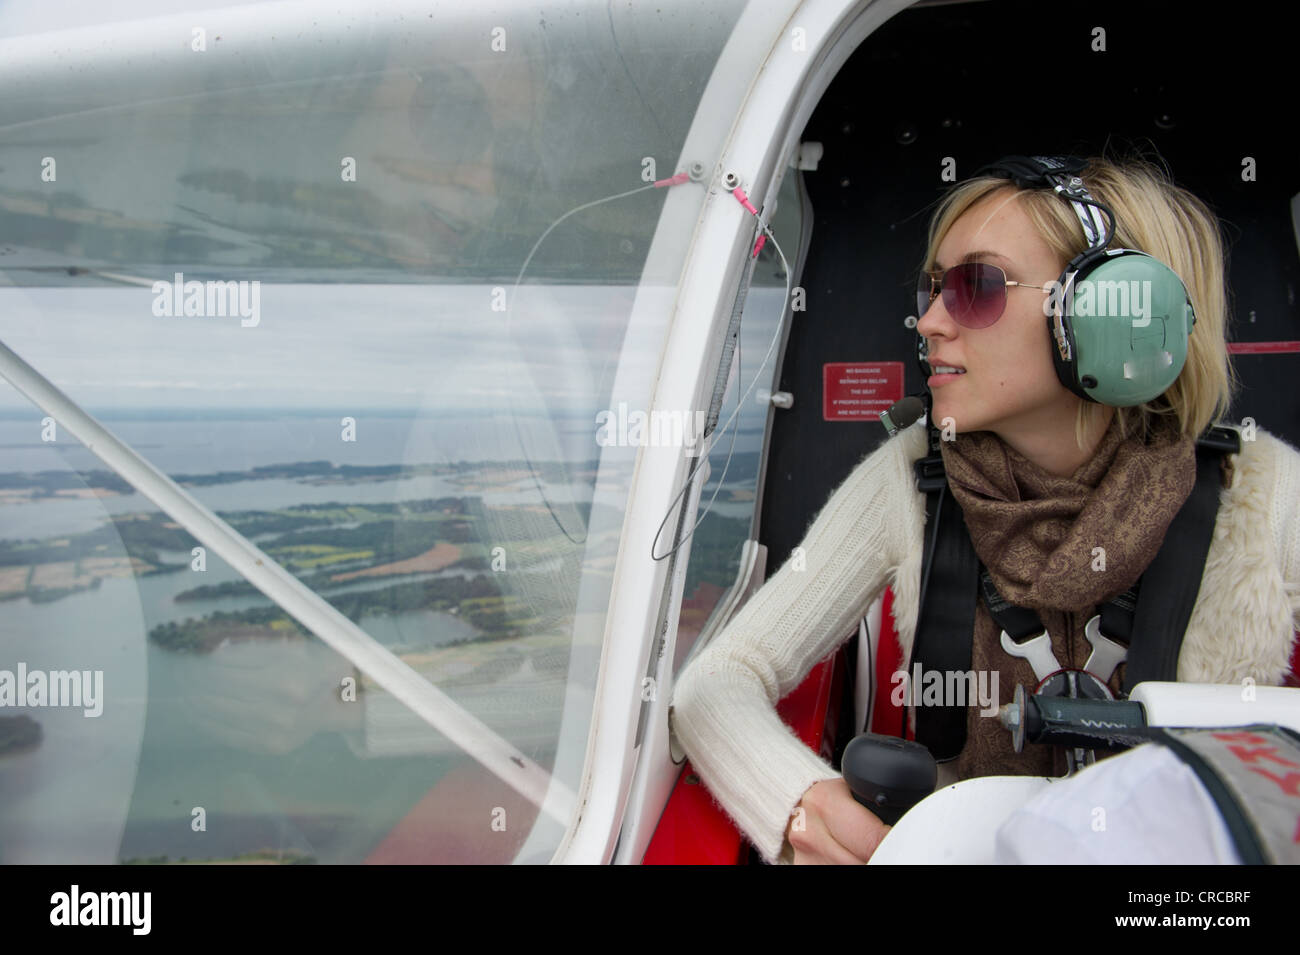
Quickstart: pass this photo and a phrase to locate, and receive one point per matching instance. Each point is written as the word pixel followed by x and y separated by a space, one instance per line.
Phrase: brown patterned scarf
pixel 1038 534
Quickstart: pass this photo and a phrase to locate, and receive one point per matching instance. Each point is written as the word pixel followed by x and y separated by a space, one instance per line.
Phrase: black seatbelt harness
pixel 950 564
pixel 1151 617
pixel 1021 623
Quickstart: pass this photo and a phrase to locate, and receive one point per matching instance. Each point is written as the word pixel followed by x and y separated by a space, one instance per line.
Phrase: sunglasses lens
pixel 923 299
pixel 975 294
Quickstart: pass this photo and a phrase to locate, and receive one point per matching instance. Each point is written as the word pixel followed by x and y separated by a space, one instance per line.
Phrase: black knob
pixel 888 775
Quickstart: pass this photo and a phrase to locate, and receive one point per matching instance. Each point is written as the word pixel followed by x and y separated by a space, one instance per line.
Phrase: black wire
pixel 735 415
pixel 871 673
pixel 1110 219
pixel 690 477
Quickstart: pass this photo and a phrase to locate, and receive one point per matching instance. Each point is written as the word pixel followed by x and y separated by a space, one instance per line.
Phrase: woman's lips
pixel 935 380
pixel 942 377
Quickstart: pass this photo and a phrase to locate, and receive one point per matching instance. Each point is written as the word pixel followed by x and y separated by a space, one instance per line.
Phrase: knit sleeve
pixel 724 712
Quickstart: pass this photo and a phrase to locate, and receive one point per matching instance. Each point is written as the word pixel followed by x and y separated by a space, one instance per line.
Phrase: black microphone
pixel 902 414
pixel 888 775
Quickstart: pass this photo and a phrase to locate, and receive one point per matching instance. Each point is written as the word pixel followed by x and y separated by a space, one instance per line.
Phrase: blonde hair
pixel 1155 216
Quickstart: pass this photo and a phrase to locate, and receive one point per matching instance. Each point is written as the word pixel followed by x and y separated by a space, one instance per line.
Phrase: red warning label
pixel 859 391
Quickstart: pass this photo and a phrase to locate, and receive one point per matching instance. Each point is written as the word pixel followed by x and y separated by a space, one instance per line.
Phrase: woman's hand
pixel 834 828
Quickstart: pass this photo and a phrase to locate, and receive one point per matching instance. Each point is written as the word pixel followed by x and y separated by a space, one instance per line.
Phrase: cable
pixel 871 672
pixel 764 234
pixel 532 471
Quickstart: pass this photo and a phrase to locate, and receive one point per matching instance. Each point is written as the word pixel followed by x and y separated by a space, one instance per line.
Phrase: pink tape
pixel 744 199
pixel 676 180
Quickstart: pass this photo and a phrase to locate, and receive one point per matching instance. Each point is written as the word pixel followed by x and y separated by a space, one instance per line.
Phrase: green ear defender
pixel 1120 328
pixel 1119 319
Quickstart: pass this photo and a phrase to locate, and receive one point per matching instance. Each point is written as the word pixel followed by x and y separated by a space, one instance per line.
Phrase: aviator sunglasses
pixel 974 293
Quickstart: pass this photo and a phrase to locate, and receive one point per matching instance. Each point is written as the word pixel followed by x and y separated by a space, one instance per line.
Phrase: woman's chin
pixel 952 421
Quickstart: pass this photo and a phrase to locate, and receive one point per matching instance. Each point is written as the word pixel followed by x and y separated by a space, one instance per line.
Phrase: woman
pixel 1043 478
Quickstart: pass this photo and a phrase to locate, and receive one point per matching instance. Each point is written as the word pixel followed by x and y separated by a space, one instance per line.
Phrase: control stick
pixel 888 775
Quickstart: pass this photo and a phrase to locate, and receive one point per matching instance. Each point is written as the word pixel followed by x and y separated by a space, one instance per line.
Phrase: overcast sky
pixel 316 346
pixel 18 17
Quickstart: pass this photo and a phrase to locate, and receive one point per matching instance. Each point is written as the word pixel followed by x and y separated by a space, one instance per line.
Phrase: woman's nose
pixel 936 321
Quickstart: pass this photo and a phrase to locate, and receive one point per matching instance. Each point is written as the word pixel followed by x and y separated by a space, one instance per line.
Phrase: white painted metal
pixel 957 824
pixel 646 802
pixel 761 137
pixel 1205 704
pixel 703 296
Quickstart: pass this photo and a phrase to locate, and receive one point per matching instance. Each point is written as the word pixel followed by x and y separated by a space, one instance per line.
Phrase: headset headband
pixel 1061 175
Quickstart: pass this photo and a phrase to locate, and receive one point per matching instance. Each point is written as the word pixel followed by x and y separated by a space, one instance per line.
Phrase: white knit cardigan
pixel 869 536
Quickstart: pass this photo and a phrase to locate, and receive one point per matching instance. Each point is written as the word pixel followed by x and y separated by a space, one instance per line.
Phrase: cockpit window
pixel 362 285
